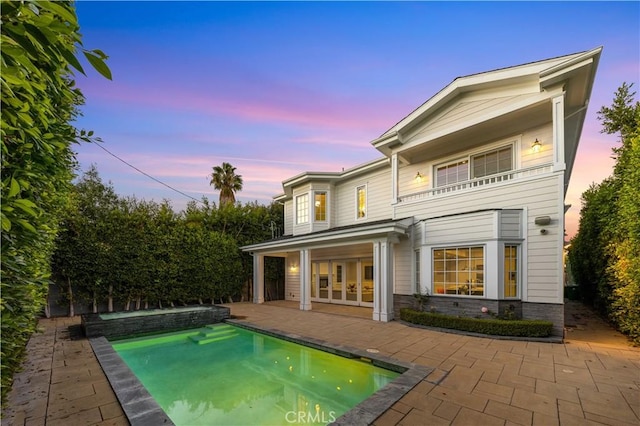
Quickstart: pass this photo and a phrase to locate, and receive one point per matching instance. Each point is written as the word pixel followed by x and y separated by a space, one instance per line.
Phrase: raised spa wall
pixel 166 320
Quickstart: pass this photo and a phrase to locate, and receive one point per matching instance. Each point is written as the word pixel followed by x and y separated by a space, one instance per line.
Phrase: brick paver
pixel 591 379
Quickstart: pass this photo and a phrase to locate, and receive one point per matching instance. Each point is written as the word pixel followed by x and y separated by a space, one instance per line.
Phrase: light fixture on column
pixel 537 146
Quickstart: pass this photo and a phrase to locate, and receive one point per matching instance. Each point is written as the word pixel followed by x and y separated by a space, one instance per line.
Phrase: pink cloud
pixel 321 110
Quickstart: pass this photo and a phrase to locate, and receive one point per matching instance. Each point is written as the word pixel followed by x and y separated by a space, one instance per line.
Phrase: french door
pixel 348 282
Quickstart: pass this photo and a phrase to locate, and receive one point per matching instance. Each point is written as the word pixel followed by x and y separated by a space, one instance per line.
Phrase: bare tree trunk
pixel 70 294
pixel 146 304
pixel 127 306
pixel 110 299
pixel 171 304
pixel 47 308
pixel 138 304
pixel 213 302
pixel 230 299
pixel 95 305
pixel 200 300
pixel 160 304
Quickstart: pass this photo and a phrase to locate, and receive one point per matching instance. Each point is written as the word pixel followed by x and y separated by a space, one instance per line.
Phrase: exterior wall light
pixel 293 267
pixel 537 146
pixel 419 177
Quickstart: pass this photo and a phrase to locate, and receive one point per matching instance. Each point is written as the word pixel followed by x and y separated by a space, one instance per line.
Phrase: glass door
pixel 352 282
pixel 323 281
pixel 366 282
pixel 337 282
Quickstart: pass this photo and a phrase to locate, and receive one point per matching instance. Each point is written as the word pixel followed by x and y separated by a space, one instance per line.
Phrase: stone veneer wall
pixel 471 307
pixel 172 319
pixel 553 312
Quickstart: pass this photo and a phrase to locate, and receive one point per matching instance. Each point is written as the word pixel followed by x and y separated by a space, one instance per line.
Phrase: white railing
pixel 477 183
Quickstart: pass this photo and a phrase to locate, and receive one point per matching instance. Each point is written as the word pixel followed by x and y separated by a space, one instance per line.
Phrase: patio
pixel 592 378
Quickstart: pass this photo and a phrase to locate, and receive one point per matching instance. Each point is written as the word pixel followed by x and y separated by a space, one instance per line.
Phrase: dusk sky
pixel 279 88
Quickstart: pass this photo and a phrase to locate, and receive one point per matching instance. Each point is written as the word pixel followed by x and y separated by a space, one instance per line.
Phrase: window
pixel 510 270
pixel 361 201
pixel 492 162
pixel 320 205
pixel 459 271
pixel 452 173
pixel 484 164
pixel 302 209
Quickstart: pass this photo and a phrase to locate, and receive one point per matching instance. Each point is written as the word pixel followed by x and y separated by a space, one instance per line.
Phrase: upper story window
pixel 361 202
pixel 320 206
pixel 483 164
pixel 492 162
pixel 302 209
pixel 451 173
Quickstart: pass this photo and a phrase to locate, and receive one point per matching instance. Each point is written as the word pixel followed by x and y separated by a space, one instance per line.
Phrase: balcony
pixel 472 184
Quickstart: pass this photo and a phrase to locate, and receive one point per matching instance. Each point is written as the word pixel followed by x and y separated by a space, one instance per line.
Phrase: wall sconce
pixel 293 267
pixel 419 177
pixel 537 146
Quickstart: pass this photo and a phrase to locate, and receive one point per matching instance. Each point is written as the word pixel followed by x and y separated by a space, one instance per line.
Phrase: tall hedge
pixel 605 254
pixel 39 101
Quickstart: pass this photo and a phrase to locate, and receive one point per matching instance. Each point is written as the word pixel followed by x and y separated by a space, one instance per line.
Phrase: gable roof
pixel 543 74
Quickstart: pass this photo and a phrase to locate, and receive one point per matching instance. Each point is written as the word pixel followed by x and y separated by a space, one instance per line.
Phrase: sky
pixel 280 88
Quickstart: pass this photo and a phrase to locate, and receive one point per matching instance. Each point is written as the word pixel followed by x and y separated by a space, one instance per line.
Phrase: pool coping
pixel 142 409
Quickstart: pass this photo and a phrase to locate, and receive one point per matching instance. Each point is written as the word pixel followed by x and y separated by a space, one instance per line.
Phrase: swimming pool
pixel 228 375
pixel 179 392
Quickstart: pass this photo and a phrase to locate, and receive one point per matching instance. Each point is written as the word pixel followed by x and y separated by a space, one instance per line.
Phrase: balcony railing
pixel 477 183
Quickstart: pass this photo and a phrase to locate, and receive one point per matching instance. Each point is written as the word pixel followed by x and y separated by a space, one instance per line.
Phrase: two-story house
pixel 465 204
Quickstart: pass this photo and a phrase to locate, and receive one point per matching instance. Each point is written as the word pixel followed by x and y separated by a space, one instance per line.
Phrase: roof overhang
pixel 389 230
pixel 574 73
pixel 328 177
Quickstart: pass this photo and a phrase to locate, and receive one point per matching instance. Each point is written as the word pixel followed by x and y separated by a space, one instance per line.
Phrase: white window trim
pixel 431 270
pixel 298 197
pixel 326 206
pixel 515 159
pixel 366 201
pixel 519 288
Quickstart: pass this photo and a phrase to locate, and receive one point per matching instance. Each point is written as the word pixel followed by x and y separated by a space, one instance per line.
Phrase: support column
pixel 383 283
pixel 258 278
pixel 305 280
pixel 558 133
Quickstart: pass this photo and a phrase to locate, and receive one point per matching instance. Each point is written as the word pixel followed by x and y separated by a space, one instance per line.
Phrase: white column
pixel 376 281
pixel 258 278
pixel 558 133
pixel 383 283
pixel 386 286
pixel 394 179
pixel 305 280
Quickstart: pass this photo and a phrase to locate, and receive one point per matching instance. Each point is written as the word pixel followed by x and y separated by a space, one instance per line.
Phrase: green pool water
pixel 226 375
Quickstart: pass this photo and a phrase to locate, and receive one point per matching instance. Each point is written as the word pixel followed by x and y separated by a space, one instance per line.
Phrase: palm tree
pixel 225 179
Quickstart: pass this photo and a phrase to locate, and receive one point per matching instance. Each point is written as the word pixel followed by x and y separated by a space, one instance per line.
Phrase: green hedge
pixel 497 327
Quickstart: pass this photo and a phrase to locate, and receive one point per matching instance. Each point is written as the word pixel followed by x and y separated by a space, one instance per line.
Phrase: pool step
pixel 214 334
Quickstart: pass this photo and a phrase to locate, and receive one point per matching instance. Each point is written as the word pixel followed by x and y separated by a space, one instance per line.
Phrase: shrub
pixel 497 327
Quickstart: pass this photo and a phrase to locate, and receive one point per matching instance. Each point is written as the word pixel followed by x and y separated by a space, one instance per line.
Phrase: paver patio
pixel 593 378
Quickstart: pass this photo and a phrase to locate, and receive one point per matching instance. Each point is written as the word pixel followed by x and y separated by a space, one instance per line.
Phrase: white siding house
pixel 465 204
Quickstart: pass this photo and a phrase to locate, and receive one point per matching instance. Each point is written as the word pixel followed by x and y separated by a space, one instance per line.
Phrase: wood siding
pixel 539 197
pixel 378 198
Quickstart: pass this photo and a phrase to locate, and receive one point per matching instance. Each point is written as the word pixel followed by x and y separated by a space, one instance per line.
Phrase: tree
pixel 39 103
pixel 605 254
pixel 225 179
